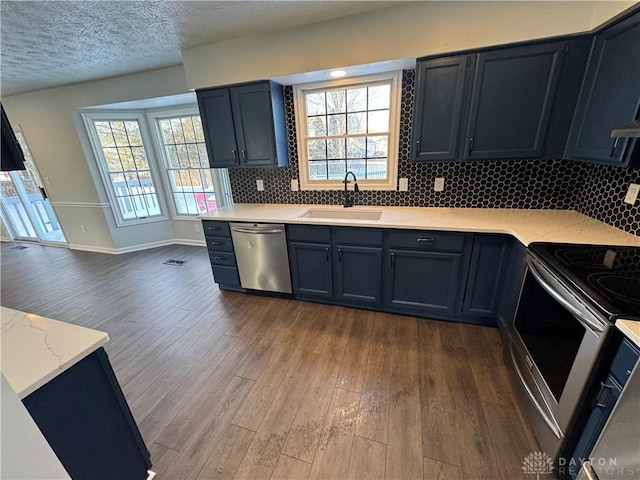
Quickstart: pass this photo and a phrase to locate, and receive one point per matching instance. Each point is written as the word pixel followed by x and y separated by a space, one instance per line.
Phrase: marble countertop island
pixel 35 349
pixel 562 226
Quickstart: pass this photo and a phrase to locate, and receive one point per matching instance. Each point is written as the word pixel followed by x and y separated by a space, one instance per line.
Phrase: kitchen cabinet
pixel 357 265
pixel 486 282
pixel 438 108
pixel 605 399
pixel 244 125
pixel 609 97
pixel 424 272
pixel 85 418
pixel 513 93
pixel 221 254
pixel 311 270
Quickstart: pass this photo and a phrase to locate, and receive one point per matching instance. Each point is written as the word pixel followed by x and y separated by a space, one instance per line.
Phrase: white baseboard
pixel 136 248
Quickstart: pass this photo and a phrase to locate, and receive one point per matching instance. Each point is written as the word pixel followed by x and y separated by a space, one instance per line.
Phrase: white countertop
pixel 35 349
pixel 631 329
pixel 562 226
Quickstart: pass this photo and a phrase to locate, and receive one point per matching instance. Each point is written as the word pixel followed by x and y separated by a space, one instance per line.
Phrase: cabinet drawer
pixel 222 258
pixel 219 244
pixel 425 240
pixel 357 236
pixel 225 275
pixel 216 229
pixel 309 233
pixel 624 361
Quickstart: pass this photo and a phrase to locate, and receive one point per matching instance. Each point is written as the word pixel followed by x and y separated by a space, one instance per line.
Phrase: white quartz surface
pixel 35 349
pixel 631 329
pixel 562 226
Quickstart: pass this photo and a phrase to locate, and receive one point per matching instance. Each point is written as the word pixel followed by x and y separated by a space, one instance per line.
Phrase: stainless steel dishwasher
pixel 261 255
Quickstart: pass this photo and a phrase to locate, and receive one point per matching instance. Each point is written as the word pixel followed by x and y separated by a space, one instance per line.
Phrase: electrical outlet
pixel 294 184
pixel 404 185
pixel 83 229
pixel 438 185
pixel 196 227
pixel 47 181
pixel 260 185
pixel 632 194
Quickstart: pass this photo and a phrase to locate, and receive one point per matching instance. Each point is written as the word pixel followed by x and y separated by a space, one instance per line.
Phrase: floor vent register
pixel 177 263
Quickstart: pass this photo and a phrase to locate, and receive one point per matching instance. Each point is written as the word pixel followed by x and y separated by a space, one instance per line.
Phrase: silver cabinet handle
pixel 393 259
pixel 615 145
pixel 326 254
pixel 219 258
pixel 244 154
pixel 216 243
pixel 426 240
pixel 233 152
pixel 214 228
pixel 470 144
pixel 340 255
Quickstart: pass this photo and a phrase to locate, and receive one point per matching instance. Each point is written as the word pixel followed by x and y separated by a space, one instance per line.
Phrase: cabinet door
pixel 253 119
pixel 485 283
pixel 513 94
pixel 217 122
pixel 358 272
pixel 609 98
pixel 423 281
pixel 608 396
pixel 311 270
pixel 437 111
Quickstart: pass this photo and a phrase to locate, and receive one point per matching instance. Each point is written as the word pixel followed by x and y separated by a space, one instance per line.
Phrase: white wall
pixel 47 121
pixel 411 29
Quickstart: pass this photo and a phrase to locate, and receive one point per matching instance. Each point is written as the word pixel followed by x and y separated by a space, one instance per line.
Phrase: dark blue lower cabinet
pixel 485 288
pixel 311 272
pixel 605 401
pixel 423 282
pixel 85 418
pixel 358 274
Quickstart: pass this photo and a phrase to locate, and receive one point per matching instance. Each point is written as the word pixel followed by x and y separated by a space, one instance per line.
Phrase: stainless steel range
pixel 571 296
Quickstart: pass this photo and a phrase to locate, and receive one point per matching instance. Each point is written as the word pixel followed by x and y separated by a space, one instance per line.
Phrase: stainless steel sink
pixel 344 214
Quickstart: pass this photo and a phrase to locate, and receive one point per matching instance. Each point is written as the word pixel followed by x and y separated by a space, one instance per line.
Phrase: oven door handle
pixel 549 421
pixel 582 317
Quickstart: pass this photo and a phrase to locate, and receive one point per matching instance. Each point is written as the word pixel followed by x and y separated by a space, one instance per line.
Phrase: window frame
pixel 88 119
pixel 153 116
pixel 299 90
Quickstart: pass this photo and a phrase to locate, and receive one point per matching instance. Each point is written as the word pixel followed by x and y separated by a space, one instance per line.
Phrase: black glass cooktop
pixel 608 276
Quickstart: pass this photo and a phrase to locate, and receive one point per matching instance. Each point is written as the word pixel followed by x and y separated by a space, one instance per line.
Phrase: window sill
pixel 340 186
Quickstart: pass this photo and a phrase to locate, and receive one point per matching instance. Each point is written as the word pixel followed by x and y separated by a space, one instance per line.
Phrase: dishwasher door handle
pixel 257 231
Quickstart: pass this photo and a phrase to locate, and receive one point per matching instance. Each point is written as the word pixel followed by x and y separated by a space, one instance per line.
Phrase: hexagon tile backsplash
pixel 595 190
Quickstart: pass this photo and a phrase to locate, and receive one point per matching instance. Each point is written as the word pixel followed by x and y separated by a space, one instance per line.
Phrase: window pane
pixel 183 155
pixel 119 133
pixel 357 99
pixel 194 158
pixel 337 101
pixel 140 158
pixel 377 168
pixel 187 128
pixel 315 104
pixel 378 121
pixel 318 170
pixel 317 149
pixel 356 147
pixel 112 158
pixel 133 133
pixel 335 148
pixel 337 124
pixel 317 126
pixel 104 134
pixel 356 123
pixel 126 158
pixel 172 155
pixel 165 129
pixel 336 169
pixel 204 158
pixel 379 97
pixel 377 146
pixel 176 128
pixel 197 126
pixel 358 167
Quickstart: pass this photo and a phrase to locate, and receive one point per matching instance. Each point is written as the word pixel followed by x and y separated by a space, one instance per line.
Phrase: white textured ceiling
pixel 52 43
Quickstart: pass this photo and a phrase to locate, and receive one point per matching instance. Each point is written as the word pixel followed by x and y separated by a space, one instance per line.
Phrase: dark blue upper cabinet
pixel 244 125
pixel 513 94
pixel 438 107
pixel 609 98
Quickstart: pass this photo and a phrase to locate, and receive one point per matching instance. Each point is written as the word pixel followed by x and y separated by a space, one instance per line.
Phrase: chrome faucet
pixel 348 202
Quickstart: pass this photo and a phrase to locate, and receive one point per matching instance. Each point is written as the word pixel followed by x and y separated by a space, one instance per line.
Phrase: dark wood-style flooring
pixel 225 385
